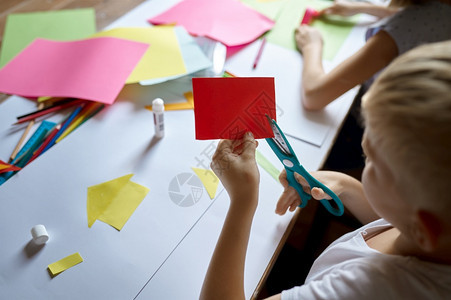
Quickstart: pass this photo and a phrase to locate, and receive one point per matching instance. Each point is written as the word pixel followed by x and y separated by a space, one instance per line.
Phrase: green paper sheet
pixel 267 165
pixel 64 25
pixel 288 15
pixel 270 9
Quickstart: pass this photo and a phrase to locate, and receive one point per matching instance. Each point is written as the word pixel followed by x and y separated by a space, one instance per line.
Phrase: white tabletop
pixel 164 249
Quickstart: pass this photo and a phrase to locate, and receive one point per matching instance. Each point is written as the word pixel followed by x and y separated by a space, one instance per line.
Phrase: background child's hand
pixel 347 8
pixel 341 7
pixel 290 199
pixel 234 164
pixel 308 37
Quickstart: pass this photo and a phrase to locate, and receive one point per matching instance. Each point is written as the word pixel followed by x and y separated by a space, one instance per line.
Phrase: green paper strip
pixel 267 165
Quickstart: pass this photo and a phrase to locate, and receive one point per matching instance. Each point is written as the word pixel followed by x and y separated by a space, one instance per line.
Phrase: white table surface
pixel 163 250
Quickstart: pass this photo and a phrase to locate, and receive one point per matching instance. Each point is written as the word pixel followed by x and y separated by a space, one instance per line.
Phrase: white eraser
pixel 39 234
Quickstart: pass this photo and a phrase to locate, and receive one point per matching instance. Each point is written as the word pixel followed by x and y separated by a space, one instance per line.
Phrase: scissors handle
pixel 336 211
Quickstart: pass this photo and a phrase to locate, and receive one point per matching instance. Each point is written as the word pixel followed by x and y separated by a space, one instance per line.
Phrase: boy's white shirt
pixel 350 269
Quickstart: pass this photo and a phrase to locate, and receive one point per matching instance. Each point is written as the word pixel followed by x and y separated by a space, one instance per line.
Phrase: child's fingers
pixel 283 178
pixel 224 145
pixel 319 194
pixel 221 157
pixel 249 145
pixel 288 200
pixel 301 180
pixel 246 141
pixel 326 11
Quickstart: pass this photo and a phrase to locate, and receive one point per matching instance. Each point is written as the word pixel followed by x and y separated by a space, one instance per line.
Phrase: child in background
pixel 417 22
pixel 403 251
pixel 409 23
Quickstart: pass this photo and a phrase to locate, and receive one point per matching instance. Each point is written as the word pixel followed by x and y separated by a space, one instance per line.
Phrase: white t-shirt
pixel 350 269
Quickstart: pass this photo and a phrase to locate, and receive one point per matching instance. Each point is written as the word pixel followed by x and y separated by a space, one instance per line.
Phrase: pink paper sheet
pixel 227 21
pixel 92 69
pixel 226 108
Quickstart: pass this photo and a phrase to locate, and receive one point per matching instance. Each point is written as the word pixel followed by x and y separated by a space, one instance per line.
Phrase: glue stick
pixel 158 116
pixel 39 234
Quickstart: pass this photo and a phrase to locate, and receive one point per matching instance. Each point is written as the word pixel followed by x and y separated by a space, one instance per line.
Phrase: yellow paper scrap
pixel 64 264
pixel 190 98
pixel 209 180
pixel 163 58
pixel 114 201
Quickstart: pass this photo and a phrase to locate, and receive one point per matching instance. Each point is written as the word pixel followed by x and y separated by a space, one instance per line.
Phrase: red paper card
pixel 226 108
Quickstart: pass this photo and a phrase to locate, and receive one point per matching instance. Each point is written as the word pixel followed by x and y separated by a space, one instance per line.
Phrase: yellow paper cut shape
pixel 209 180
pixel 64 264
pixel 163 58
pixel 189 104
pixel 114 201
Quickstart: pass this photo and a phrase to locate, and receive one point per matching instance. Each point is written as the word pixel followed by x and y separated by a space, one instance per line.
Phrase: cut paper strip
pixel 189 104
pixel 227 21
pixel 226 108
pixel 163 58
pixel 194 58
pixel 93 69
pixel 114 201
pixel 62 25
pixel 209 180
pixel 64 264
pixel 189 97
pixel 267 165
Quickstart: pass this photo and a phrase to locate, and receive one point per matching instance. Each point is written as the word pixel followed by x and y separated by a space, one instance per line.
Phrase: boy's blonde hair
pixel 408 112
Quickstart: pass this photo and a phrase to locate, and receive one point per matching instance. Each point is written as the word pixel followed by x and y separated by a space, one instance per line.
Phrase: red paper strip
pixel 226 108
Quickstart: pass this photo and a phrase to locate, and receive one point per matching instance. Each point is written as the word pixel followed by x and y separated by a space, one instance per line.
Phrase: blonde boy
pixel 404 251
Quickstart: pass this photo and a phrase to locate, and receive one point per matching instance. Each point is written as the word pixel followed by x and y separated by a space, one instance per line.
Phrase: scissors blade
pixel 278 137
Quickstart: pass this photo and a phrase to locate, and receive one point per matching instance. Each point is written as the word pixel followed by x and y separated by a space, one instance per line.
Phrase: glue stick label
pixel 158 120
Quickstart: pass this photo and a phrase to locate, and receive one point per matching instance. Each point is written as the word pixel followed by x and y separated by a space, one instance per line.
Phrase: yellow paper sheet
pixel 114 201
pixel 209 180
pixel 163 57
pixel 64 264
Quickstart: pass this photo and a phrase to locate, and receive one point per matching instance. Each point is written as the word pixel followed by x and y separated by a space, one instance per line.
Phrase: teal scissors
pixel 285 153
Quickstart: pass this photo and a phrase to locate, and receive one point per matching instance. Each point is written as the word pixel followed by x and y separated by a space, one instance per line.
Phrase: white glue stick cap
pixel 39 234
pixel 158 105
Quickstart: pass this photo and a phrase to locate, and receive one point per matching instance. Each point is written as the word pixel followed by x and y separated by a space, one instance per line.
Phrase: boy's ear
pixel 427 230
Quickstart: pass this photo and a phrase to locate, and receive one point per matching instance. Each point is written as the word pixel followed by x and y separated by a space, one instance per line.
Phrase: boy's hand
pixel 290 199
pixel 308 37
pixel 234 164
